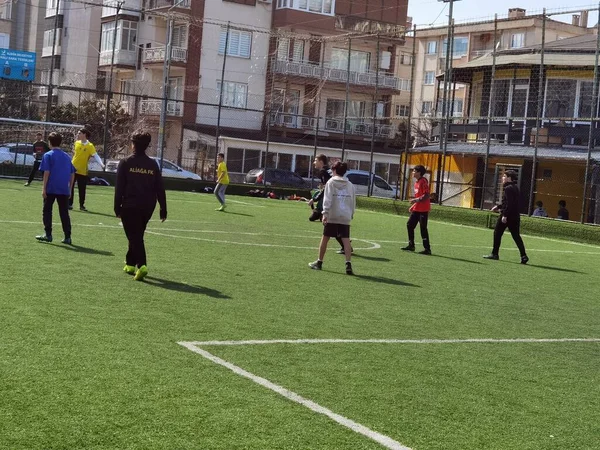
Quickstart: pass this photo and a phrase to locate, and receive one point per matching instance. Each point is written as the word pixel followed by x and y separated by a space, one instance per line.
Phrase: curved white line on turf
pixel 382 439
pixel 374 245
pixel 395 341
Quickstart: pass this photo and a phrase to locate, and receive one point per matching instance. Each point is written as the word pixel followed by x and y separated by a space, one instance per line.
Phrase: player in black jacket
pixel 139 186
pixel 509 216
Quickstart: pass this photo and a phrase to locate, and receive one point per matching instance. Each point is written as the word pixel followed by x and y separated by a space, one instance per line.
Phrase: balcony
pixel 157 55
pixel 130 8
pixel 324 73
pixel 474 54
pixel 153 108
pixel 158 4
pixel 122 58
pixel 361 127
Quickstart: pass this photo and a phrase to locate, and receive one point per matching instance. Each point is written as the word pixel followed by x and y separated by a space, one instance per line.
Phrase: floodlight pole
pixel 51 78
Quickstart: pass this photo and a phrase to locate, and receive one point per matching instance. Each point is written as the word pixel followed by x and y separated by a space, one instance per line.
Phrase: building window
pixel 51 7
pixel 461 47
pixel 406 59
pixel 402 110
pixel 180 36
pixel 240 43
pixel 235 95
pixel 126 36
pixel 4 40
pixel 432 48
pixel 560 98
pixel 6 10
pixel 359 61
pixel 335 109
pixel 313 6
pixel 517 40
pixel 429 78
pixel 283 50
pixel 426 107
pixel 49 39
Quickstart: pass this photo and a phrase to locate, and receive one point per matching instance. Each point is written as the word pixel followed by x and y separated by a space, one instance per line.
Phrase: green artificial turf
pixel 90 358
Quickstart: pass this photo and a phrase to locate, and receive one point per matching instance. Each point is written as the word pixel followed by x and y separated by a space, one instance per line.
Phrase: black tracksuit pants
pixel 134 222
pixel 82 181
pixel 514 226
pixel 414 219
pixel 34 169
pixel 63 210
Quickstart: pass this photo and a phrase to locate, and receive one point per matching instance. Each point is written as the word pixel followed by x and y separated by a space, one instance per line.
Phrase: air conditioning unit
pixel 264 1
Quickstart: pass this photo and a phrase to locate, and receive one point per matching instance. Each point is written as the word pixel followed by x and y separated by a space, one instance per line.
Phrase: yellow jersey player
pixel 82 152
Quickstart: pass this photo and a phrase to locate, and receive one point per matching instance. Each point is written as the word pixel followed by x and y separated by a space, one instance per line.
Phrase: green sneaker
pixel 222 208
pixel 141 273
pixel 130 270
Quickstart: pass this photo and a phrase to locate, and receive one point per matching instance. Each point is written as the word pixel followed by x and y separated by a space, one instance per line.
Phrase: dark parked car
pixel 276 177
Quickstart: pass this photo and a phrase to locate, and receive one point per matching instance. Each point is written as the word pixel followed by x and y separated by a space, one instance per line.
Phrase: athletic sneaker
pixel 409 248
pixel 70 207
pixel 130 270
pixel 425 252
pixel 141 273
pixel 221 208
pixel 524 259
pixel 342 252
pixel 316 265
pixel 349 268
pixel 82 208
pixel 66 241
pixel 44 238
pixel 26 184
pixel 491 256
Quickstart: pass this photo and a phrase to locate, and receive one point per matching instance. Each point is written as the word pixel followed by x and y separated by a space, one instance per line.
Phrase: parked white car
pixel 170 169
pixel 19 154
pixel 360 180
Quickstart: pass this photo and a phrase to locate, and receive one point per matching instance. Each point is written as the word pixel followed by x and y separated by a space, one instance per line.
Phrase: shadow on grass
pixel 558 269
pixel 370 258
pixel 386 280
pixel 86 250
pixel 187 288
pixel 456 259
pixel 237 214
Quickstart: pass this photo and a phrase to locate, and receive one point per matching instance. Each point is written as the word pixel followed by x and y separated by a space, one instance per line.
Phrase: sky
pixel 425 12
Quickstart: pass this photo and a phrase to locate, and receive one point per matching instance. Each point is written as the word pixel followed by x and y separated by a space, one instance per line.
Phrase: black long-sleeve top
pixel 139 185
pixel 510 200
pixel 324 176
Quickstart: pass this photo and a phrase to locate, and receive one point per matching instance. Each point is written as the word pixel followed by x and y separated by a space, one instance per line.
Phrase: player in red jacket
pixel 419 211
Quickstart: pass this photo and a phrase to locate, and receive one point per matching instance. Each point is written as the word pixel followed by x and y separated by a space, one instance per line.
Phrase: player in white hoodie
pixel 339 204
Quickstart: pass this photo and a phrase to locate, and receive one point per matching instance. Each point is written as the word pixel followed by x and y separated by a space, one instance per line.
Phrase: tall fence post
pixel 375 104
pixel 594 114
pixel 317 118
pixel 218 130
pixel 538 118
pixel 51 75
pixel 488 140
pixel 110 85
pixel 448 109
pixel 347 97
pixel 270 111
pixel 410 113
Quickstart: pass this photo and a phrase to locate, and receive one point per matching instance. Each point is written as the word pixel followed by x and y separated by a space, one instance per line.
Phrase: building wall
pixel 565 182
pixel 251 71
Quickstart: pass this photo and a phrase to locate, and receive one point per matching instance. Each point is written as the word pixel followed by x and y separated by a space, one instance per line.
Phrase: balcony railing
pixel 324 73
pixel 356 127
pixel 157 54
pixel 153 108
pixel 157 4
pixel 479 53
pixel 122 57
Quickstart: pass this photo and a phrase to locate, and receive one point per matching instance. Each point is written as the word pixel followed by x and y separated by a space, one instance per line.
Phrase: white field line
pixel 394 341
pixel 382 439
pixel 541 238
pixel 374 245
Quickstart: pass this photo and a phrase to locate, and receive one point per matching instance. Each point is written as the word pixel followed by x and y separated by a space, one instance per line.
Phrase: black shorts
pixel 336 230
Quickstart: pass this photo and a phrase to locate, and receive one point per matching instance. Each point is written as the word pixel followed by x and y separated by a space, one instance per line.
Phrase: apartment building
pixel 472 41
pixel 19 24
pixel 75 54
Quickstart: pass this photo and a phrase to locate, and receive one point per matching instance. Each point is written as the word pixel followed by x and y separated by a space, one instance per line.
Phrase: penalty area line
pixel 382 439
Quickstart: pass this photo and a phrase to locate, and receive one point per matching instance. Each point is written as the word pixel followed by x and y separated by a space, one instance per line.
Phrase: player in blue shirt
pixel 59 174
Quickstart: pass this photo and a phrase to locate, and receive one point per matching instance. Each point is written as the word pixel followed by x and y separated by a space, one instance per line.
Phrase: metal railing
pixel 356 127
pixel 156 4
pixel 325 73
pixel 157 54
pixel 153 108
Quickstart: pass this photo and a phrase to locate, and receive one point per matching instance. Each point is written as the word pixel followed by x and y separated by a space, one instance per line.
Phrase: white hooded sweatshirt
pixel 339 201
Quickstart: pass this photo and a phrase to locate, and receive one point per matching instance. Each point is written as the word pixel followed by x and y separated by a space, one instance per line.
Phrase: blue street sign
pixel 17 65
